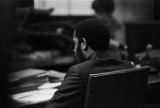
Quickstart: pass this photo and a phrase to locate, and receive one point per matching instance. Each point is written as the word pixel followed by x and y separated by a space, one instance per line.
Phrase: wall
pixel 127 10
pixel 131 10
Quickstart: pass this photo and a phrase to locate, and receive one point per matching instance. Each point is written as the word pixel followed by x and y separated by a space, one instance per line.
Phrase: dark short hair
pixel 95 32
pixel 103 6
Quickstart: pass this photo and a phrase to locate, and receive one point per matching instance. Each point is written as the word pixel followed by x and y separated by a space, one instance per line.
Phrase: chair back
pixel 117 89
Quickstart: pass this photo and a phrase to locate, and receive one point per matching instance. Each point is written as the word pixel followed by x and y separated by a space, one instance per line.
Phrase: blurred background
pixel 37 34
pixel 37 27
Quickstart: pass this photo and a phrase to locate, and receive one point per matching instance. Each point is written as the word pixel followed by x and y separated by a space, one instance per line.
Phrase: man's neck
pixel 98 54
pixel 104 15
pixel 92 54
pixel 101 54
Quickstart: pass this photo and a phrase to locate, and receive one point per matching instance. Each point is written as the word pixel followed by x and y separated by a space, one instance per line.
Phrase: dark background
pixel 11 19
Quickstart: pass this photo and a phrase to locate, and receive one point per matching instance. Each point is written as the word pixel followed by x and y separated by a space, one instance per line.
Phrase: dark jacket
pixel 72 91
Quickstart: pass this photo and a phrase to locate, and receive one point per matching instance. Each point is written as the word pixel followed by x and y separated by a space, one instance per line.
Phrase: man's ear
pixel 84 44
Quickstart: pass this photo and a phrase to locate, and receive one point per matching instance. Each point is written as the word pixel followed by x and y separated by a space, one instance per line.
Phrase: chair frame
pixel 87 101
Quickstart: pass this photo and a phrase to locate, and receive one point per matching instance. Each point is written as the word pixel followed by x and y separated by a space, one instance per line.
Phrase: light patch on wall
pixel 66 7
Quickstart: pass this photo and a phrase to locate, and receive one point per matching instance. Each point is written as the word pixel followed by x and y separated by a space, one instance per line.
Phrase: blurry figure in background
pixel 104 11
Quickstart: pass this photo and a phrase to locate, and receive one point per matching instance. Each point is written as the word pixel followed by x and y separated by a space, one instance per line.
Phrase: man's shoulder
pixel 81 66
pixel 100 64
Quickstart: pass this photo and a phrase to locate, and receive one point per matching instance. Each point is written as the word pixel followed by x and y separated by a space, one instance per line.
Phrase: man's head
pixel 103 6
pixel 89 36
